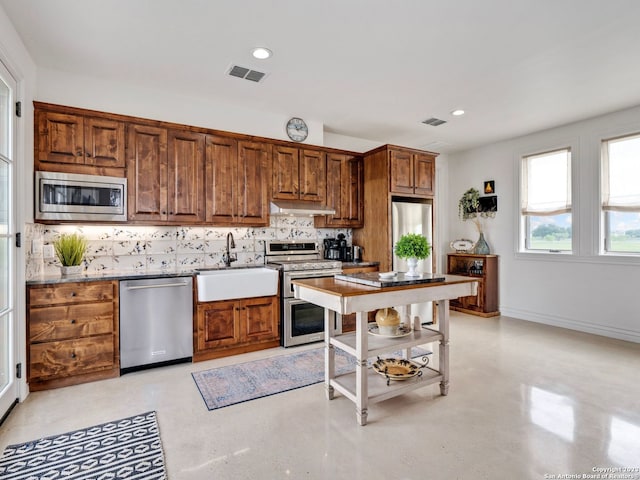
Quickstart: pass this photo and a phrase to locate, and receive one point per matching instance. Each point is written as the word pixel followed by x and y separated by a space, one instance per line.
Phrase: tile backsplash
pixel 132 248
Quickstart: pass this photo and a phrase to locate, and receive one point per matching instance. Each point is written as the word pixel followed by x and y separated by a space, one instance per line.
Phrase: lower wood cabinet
pixel 484 268
pixel 72 333
pixel 229 327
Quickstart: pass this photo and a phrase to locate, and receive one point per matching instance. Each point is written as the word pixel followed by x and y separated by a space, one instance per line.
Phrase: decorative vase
pixel 412 263
pixel 482 247
pixel 70 270
pixel 388 321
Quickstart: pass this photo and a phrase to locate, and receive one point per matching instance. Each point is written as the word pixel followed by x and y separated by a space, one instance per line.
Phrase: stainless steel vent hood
pixel 289 207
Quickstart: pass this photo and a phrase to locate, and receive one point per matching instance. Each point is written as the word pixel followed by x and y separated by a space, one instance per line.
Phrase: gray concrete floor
pixel 526 401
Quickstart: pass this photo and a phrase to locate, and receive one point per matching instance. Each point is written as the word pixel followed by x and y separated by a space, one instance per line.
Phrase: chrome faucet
pixel 228 257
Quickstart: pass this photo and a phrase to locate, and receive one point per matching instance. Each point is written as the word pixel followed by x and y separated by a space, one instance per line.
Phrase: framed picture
pixel 488 204
pixel 489 187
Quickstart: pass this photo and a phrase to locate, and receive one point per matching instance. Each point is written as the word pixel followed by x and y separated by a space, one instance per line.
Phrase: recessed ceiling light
pixel 261 53
pixel 457 113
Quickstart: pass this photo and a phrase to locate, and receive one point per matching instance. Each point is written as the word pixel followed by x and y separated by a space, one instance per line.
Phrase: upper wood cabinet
pixel 345 192
pixel 299 174
pixel 237 181
pixel 165 175
pixel 391 172
pixel 74 143
pixel 411 173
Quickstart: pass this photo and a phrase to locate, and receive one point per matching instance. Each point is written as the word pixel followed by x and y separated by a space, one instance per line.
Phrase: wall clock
pixel 297 130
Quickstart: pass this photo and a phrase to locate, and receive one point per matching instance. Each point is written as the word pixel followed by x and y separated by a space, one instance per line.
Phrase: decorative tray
pixel 403 331
pixel 396 368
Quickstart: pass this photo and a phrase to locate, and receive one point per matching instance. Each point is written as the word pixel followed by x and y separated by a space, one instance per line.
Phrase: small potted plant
pixel 413 247
pixel 70 249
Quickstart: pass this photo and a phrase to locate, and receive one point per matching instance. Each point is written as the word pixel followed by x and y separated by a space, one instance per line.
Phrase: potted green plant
pixel 413 247
pixel 469 209
pixel 70 249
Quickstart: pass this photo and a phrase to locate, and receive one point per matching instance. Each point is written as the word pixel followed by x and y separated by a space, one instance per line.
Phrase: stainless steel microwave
pixel 68 196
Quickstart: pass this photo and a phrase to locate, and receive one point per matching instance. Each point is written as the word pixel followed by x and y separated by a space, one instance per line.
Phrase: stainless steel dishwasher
pixel 156 322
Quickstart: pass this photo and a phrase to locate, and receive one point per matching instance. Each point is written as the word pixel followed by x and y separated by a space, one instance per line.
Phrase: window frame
pixel 522 248
pixel 604 237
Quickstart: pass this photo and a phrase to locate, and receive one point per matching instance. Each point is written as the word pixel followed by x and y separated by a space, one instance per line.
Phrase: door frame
pixel 20 167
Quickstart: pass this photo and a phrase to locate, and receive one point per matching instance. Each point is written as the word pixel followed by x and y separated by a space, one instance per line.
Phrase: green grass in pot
pixel 70 249
pixel 413 245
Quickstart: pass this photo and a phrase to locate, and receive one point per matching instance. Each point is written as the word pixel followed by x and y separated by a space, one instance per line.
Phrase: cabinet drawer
pixel 71 357
pixel 71 293
pixel 63 322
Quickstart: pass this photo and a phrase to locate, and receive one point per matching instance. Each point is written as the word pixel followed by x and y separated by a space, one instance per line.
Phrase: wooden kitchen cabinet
pixel 77 143
pixel 299 174
pixel 411 173
pixel 392 173
pixel 165 175
pixel 484 268
pixel 345 192
pixel 72 333
pixel 230 327
pixel 237 182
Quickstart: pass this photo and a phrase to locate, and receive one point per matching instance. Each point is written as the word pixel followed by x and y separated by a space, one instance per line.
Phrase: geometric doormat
pixel 123 449
pixel 233 384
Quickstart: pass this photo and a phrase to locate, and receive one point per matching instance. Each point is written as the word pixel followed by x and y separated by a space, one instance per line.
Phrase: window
pixel 546 201
pixel 621 194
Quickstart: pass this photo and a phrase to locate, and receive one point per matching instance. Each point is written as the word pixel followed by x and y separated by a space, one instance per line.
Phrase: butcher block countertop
pixel 348 297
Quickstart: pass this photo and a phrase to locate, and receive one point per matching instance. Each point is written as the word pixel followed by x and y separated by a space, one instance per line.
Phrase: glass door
pixel 8 384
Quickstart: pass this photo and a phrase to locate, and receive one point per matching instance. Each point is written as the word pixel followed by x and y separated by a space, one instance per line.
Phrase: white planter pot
pixel 412 263
pixel 72 270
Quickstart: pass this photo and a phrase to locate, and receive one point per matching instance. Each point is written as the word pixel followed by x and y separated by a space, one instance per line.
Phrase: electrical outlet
pixel 48 251
pixel 36 247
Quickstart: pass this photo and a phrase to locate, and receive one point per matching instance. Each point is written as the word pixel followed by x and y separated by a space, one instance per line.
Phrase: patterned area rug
pixel 124 449
pixel 224 386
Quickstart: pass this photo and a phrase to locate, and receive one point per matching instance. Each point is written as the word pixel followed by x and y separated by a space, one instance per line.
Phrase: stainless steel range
pixel 300 322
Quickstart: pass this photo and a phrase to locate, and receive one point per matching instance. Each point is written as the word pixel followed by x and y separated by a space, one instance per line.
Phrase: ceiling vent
pixel 433 121
pixel 246 73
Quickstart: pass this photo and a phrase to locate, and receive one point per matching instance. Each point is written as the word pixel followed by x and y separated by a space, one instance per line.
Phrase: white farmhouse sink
pixel 236 283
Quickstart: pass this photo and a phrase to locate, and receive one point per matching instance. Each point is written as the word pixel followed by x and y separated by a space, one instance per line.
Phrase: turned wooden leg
pixel 361 416
pixel 443 352
pixel 329 352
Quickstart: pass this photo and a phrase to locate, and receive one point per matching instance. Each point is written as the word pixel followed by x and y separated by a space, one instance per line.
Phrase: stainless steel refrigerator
pixel 412 217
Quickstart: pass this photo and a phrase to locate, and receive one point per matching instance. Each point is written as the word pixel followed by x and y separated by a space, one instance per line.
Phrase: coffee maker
pixel 331 247
pixel 337 249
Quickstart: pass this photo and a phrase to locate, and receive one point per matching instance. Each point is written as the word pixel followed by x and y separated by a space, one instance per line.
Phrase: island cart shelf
pixel 341 297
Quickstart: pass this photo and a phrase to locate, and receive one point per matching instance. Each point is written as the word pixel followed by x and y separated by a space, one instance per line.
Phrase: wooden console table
pixel 365 386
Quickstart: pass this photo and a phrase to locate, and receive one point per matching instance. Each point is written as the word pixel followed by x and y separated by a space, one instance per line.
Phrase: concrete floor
pixel 526 401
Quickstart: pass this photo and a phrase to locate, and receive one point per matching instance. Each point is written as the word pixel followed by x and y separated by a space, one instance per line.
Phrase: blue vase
pixel 482 247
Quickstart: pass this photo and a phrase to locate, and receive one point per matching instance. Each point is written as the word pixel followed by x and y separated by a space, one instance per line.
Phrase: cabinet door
pixel 259 318
pixel 217 325
pixel 334 189
pixel 286 162
pixel 185 189
pixel 424 170
pixel 344 191
pixel 353 186
pixel 66 358
pixel 220 184
pixel 104 142
pixel 313 176
pixel 147 173
pixel 401 172
pixel 60 138
pixel 253 183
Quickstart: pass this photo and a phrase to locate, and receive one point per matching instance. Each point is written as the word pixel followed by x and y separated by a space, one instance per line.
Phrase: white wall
pixel 93 93
pixel 18 61
pixel 587 291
